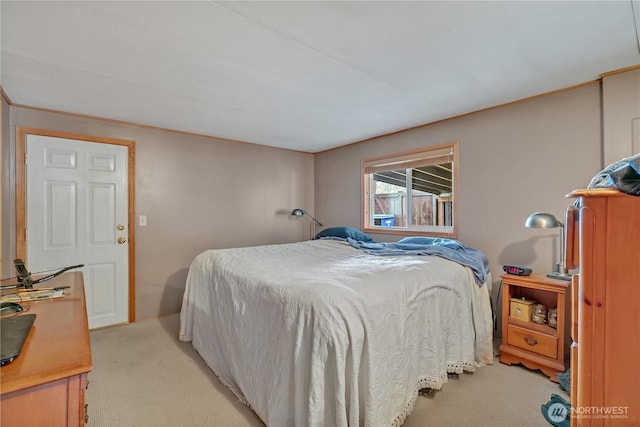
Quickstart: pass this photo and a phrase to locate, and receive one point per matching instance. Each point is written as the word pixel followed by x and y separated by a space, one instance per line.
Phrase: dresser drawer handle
pixel 531 341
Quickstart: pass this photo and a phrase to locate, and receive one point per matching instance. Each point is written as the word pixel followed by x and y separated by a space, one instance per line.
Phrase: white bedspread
pixel 318 333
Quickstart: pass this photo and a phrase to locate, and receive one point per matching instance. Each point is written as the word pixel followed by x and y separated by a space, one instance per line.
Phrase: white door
pixel 77 213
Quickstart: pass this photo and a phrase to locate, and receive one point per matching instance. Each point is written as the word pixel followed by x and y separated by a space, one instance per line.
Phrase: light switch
pixel 142 220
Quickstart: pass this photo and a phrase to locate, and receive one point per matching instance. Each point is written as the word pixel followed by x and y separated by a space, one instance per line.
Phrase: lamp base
pixel 559 276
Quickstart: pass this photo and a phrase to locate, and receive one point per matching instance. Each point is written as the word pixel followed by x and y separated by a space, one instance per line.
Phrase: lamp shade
pixel 298 212
pixel 542 220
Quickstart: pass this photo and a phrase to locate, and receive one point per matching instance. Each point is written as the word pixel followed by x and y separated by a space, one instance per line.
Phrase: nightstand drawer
pixel 533 341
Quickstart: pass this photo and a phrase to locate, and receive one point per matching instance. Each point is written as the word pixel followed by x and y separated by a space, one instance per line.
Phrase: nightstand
pixel 536 346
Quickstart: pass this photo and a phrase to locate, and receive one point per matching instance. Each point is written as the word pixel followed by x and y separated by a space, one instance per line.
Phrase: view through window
pixel 411 192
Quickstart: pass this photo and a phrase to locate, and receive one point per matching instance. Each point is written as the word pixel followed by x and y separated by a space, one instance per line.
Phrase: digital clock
pixel 518 271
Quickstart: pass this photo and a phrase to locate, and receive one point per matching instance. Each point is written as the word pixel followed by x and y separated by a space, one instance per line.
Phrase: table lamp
pixel 546 220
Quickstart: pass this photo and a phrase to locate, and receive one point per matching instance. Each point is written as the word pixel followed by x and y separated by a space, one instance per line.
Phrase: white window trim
pixel 408 158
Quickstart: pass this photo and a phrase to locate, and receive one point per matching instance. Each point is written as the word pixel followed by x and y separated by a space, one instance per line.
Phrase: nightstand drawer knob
pixel 531 341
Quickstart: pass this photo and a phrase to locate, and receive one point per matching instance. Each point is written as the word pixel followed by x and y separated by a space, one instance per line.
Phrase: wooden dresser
pixel 603 239
pixel 45 385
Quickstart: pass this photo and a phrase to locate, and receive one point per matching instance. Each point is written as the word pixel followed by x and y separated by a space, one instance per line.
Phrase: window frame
pixel 414 155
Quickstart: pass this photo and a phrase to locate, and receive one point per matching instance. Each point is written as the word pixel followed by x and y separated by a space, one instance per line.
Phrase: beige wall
pixel 198 193
pixel 201 193
pixel 514 160
pixel 5 185
pixel 3 107
pixel 621 115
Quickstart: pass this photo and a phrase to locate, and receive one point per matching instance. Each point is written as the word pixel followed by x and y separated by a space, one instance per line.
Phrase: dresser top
pixel 58 345
pixel 598 192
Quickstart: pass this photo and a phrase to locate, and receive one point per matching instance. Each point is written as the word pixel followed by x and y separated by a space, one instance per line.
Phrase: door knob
pixel 120 227
pixel 122 240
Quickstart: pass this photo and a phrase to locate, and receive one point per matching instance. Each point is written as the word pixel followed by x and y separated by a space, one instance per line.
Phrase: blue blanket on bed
pixel 449 249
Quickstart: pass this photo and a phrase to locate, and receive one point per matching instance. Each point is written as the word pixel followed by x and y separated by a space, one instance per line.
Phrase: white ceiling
pixel 303 75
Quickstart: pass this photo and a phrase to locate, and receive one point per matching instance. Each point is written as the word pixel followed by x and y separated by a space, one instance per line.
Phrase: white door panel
pixel 77 209
pixel 60 219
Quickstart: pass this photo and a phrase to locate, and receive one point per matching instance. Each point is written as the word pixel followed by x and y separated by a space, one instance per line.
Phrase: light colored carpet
pixel 143 376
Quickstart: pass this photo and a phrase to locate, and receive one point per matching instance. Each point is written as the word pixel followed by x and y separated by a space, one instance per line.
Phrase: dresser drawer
pixel 533 341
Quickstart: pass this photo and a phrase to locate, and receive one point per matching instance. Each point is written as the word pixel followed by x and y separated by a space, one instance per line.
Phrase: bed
pixel 319 333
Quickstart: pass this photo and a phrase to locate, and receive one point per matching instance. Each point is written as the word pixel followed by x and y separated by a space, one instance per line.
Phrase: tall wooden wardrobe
pixel 603 240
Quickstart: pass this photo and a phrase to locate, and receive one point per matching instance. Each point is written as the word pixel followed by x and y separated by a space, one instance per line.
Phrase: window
pixel 412 192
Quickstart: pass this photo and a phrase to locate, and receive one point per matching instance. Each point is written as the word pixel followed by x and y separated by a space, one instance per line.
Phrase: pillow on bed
pixel 344 233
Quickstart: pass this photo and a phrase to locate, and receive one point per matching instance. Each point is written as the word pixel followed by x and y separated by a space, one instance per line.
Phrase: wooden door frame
pixel 21 192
